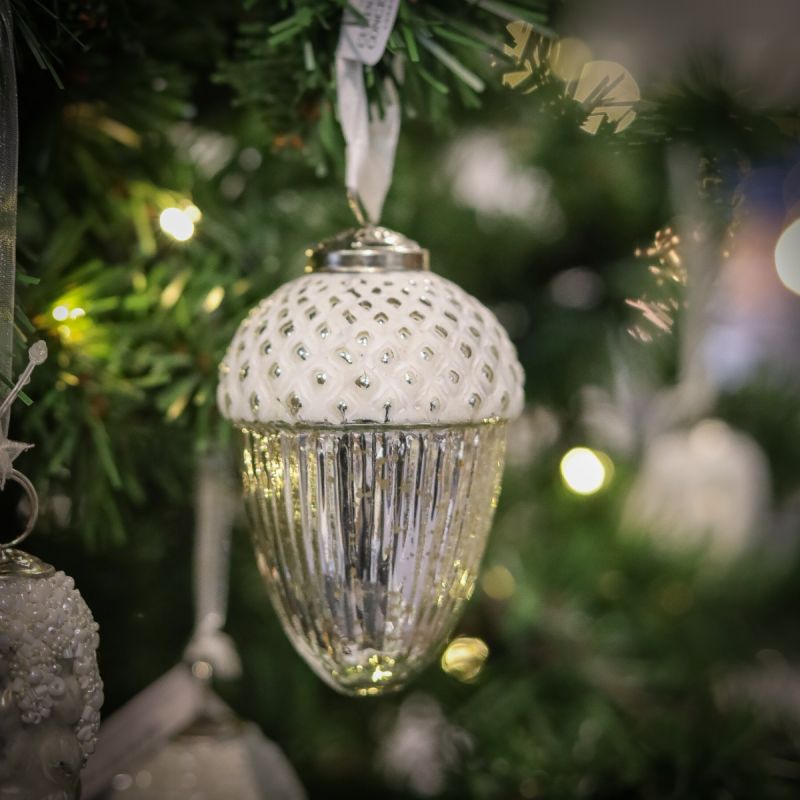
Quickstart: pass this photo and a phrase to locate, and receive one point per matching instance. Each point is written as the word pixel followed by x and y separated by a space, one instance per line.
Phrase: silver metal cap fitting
pixel 368 249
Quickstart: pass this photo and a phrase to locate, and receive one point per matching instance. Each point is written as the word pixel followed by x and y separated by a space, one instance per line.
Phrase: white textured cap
pixel 394 347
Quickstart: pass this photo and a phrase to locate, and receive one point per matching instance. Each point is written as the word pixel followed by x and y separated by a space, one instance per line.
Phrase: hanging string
pixel 370 134
pixel 8 200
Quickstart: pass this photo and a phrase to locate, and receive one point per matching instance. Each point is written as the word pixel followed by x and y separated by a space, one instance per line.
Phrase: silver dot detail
pixel 294 404
pixel 419 343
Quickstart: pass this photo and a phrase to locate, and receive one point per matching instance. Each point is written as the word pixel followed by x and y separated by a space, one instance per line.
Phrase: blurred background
pixel 620 183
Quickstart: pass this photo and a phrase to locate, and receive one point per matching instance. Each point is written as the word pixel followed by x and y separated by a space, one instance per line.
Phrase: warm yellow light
pixel 498 583
pixel 584 471
pixel 177 223
pixel 69 379
pixel 381 674
pixel 60 313
pixel 465 657
pixel 177 407
pixel 193 212
pixel 787 257
pixel 382 665
pixel 213 299
pixel 174 289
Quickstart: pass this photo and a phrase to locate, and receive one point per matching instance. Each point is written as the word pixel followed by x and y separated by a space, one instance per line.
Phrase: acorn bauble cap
pixel 370 336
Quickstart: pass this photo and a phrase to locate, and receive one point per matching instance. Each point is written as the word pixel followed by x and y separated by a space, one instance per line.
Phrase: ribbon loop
pixel 371 137
pixel 9 143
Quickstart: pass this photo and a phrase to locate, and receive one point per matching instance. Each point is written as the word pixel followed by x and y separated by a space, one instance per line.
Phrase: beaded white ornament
pixel 48 662
pixel 50 686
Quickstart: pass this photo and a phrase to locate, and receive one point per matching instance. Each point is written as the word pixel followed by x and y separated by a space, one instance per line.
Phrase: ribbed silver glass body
pixel 370 539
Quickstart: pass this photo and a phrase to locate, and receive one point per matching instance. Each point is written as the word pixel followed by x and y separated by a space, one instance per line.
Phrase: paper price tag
pixel 366 42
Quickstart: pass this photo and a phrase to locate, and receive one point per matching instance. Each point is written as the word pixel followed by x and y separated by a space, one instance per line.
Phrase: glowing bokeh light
pixel 60 313
pixel 498 583
pixel 584 471
pixel 69 379
pixel 464 658
pixel 193 212
pixel 381 674
pixel 177 223
pixel 174 289
pixel 787 257
pixel 178 406
pixel 214 299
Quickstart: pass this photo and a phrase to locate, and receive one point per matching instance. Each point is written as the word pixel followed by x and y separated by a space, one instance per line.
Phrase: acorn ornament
pixel 373 397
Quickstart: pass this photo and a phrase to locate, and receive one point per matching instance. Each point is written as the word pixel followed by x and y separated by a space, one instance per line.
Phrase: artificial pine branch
pixel 111 138
pixel 444 45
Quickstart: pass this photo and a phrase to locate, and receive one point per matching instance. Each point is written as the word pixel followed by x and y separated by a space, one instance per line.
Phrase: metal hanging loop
pixel 33 499
pixel 357 207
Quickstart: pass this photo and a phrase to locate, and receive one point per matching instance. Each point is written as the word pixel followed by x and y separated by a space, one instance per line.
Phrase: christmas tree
pixel 619 185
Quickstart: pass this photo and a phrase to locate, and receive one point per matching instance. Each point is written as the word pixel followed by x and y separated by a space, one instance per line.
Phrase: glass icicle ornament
pixel 373 396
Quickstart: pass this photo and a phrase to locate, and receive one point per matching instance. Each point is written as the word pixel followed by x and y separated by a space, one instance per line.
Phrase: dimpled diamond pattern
pixel 391 347
pixel 370 540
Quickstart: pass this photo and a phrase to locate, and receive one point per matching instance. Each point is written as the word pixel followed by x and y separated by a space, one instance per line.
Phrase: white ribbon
pixel 8 197
pixel 371 138
pixel 216 505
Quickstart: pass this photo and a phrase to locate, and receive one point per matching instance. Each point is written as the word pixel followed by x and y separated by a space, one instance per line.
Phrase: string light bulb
pixel 193 212
pixel 585 471
pixel 178 222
